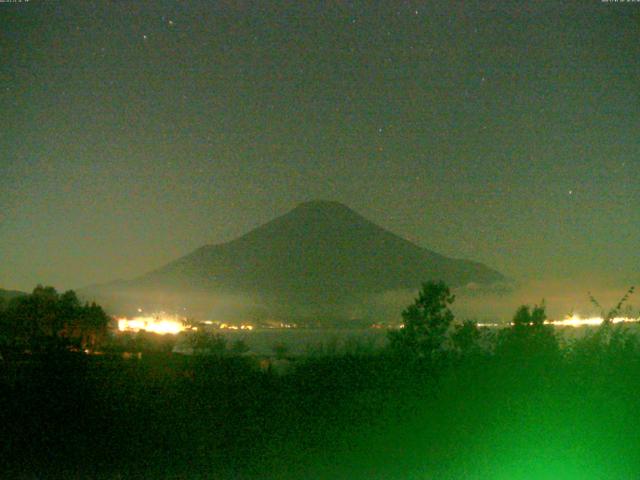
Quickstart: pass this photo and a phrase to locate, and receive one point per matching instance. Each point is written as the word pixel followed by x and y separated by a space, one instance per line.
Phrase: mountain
pixel 318 257
pixel 9 294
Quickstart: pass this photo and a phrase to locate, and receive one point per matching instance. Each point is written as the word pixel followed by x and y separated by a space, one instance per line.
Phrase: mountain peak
pixel 319 257
pixel 324 205
pixel 324 211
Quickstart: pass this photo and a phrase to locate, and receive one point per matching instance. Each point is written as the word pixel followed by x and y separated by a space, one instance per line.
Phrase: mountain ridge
pixel 11 294
pixel 319 254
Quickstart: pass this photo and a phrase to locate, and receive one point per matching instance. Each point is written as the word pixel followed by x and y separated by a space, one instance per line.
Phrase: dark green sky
pixel 134 132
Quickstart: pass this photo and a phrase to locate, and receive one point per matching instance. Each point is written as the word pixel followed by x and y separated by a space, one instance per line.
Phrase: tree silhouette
pixel 207 343
pixel 608 316
pixel 239 347
pixel 45 319
pixel 607 339
pixel 467 338
pixel 4 323
pixel 528 337
pixel 426 322
pixel 280 350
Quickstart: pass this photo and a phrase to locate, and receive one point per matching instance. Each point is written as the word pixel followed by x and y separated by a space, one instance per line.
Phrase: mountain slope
pixel 10 294
pixel 320 253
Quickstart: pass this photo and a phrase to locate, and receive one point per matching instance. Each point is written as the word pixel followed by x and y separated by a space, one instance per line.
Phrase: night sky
pixel 135 132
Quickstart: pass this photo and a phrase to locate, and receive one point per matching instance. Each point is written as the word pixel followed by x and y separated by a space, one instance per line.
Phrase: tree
pixel 608 339
pixel 426 323
pixel 608 316
pixel 88 323
pixel 280 350
pixel 68 306
pixel 4 325
pixel 467 338
pixel 206 343
pixel 239 347
pixel 528 337
pixel 33 320
pixel 45 319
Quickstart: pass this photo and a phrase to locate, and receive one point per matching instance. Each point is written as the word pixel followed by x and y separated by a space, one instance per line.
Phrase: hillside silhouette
pixel 319 253
pixel 9 294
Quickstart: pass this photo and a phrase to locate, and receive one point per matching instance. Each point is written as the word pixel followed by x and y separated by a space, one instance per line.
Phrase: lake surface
pixel 302 341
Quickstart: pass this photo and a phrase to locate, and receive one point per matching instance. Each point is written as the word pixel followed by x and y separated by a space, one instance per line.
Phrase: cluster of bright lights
pixel 162 323
pixel 158 323
pixel 577 321
pixel 488 325
pixel 574 321
pixel 224 326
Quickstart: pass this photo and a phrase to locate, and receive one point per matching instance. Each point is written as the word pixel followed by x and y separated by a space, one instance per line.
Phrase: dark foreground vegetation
pixel 442 402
